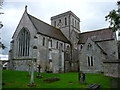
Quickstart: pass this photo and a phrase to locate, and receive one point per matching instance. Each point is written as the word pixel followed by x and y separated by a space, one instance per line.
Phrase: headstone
pixel 82 78
pixel 114 83
pixel 39 76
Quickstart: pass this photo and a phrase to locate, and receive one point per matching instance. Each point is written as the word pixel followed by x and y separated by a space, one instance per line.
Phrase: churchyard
pixel 20 79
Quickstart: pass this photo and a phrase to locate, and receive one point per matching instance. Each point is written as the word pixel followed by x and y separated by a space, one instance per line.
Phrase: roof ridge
pixel 30 16
pixel 96 30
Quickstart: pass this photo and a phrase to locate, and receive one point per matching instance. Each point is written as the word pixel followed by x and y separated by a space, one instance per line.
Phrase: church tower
pixel 68 23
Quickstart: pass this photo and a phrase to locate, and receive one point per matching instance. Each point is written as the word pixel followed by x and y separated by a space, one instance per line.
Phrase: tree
pixel 114 18
pixel 1 25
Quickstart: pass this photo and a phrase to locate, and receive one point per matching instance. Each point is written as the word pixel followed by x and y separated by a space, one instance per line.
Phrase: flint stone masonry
pixel 112 68
pixel 61 47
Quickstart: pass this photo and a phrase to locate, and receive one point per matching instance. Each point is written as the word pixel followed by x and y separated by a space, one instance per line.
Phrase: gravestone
pixel 82 78
pixel 39 76
pixel 114 83
pixel 49 80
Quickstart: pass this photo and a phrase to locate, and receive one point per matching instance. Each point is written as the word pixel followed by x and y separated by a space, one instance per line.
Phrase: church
pixel 61 47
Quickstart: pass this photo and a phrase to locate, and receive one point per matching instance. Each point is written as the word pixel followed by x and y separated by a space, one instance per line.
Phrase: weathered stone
pixel 112 68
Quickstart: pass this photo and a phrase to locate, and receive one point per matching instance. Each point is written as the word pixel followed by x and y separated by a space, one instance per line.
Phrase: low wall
pixel 112 68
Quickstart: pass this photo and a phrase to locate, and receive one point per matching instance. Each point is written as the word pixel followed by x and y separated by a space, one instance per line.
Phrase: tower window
pixel 55 23
pixel 43 41
pixel 57 45
pixel 65 21
pixel 73 22
pixel 78 25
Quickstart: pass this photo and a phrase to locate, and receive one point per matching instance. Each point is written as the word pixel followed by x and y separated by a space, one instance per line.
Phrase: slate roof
pixel 47 30
pixel 98 35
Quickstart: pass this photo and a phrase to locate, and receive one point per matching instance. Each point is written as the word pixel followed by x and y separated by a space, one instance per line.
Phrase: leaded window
pixel 23 42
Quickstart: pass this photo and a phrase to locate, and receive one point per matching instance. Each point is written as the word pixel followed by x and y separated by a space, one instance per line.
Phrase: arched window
pixel 89 46
pixel 73 22
pixel 91 61
pixel 43 41
pixel 88 61
pixel 57 45
pixel 23 42
pixel 55 23
pixel 65 21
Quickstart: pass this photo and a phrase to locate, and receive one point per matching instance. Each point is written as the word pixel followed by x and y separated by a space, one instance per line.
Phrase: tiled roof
pixel 98 35
pixel 48 30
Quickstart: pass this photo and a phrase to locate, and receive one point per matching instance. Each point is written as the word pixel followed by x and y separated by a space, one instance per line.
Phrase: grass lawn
pixel 19 79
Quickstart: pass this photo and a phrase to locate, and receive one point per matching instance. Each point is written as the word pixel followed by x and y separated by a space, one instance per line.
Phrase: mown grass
pixel 19 79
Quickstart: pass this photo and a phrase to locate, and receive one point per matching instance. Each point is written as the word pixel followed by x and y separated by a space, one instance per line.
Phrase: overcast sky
pixel 91 13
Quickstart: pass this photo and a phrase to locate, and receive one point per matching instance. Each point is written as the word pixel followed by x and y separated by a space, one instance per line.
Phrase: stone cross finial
pixel 26 8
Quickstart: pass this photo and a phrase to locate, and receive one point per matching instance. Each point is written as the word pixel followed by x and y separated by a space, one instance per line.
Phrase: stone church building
pixel 60 47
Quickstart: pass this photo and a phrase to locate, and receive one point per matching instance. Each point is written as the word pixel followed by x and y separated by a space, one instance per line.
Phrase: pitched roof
pixel 47 30
pixel 98 35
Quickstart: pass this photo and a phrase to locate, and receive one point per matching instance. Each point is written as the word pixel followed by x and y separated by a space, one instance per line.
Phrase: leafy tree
pixel 114 18
pixel 1 25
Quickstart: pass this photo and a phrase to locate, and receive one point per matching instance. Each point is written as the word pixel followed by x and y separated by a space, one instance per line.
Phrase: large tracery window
pixel 23 42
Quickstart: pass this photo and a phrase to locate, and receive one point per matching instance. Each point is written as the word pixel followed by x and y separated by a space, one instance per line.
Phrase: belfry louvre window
pixel 23 42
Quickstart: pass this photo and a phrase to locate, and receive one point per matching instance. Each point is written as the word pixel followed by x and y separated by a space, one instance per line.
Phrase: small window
pixel 78 25
pixel 88 61
pixel 43 41
pixel 65 21
pixel 89 46
pixel 73 22
pixel 55 23
pixel 50 43
pixel 57 45
pixel 60 21
pixel 91 61
pixel 81 46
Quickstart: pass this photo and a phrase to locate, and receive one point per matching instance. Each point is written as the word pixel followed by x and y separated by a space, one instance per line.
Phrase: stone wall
pixel 110 47
pixel 97 56
pixel 112 68
pixel 23 65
